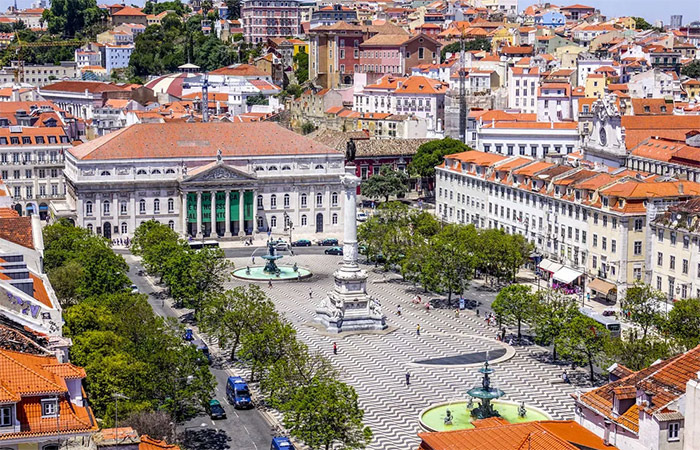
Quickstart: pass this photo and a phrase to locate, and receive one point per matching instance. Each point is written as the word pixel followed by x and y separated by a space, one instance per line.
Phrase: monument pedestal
pixel 348 307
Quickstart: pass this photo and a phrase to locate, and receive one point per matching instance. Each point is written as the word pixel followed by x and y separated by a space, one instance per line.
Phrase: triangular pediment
pixel 217 172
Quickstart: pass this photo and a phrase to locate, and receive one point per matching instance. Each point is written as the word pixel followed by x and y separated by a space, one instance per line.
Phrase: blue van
pixel 237 393
pixel 281 443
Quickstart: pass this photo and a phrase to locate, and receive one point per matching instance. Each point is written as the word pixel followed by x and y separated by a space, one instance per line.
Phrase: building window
pixel 319 199
pixel 637 273
pixel 142 206
pixel 673 431
pixel 672 263
pixel 659 259
pixel 673 238
pixel 260 222
pixel 273 221
pixel 595 240
pixel 105 207
pixel 638 224
pixel 49 407
pixel 171 224
pixel 273 201
pixel 124 228
pixel 122 208
pixel 89 228
pixel 638 248
pixel 685 266
pixel 303 200
pixel 334 219
pixel 613 245
pixel 5 416
pixel 303 220
pixel 171 205
pixel 285 200
pixel 334 199
pixel 260 202
pixel 88 208
pixel 156 206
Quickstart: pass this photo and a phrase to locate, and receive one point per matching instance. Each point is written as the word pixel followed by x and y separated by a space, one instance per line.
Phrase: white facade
pixel 523 83
pixel 654 84
pixel 554 103
pixel 84 58
pixel 586 66
pixel 534 139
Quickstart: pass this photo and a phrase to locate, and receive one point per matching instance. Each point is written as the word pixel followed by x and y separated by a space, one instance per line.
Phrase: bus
pixel 610 323
pixel 196 245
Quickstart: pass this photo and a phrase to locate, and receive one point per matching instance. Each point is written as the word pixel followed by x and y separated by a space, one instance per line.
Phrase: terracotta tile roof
pixel 82 86
pixel 17 230
pixel 494 435
pixel 517 50
pixel 643 189
pixel 417 84
pixel 241 70
pixel 129 11
pixel 385 40
pixel 639 128
pixel 659 149
pixel 533 125
pixel 148 443
pixel 180 140
pixel 507 166
pixel 533 168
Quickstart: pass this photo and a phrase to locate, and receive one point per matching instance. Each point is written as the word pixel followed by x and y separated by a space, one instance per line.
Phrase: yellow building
pixel 595 85
pixel 626 22
pixel 692 88
pixel 568 54
pixel 502 37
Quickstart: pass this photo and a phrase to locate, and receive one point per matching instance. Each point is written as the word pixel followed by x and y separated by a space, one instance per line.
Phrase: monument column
pixel 350 219
pixel 227 230
pixel 199 215
pixel 241 212
pixel 212 214
pixel 185 219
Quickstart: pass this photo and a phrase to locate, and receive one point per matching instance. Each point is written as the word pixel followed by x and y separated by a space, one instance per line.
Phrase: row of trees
pixel 318 409
pixel 441 258
pixel 191 276
pixel 122 345
pixel 557 322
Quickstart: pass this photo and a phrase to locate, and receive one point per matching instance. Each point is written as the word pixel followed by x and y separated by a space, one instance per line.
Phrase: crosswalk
pixel 375 364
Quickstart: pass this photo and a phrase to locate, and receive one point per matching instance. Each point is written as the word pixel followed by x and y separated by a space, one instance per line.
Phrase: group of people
pixel 490 319
pixel 125 242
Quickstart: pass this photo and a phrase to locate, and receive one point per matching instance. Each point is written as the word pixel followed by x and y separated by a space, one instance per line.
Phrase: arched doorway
pixel 18 208
pixel 348 79
pixel 30 209
pixel 43 211
pixel 319 223
pixel 107 230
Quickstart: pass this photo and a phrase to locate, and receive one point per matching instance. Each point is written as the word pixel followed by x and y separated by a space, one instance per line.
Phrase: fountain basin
pixel 432 418
pixel 257 273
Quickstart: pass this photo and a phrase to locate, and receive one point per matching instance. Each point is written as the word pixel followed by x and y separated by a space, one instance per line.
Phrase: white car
pixel 281 245
pixel 362 217
pixel 134 289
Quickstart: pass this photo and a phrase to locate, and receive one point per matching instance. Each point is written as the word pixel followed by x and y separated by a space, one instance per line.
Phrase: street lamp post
pixel 117 396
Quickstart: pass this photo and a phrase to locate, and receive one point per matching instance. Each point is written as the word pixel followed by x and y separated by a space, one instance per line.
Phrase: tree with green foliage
pixel 584 342
pixel 307 127
pixel 293 90
pixel 450 260
pixel 326 413
pixel 643 303
pixel 551 314
pixel 154 242
pixel 176 6
pixel 301 62
pixel 683 324
pixel 691 69
pixel 231 315
pixel 257 99
pixel 641 24
pixel 432 154
pixel 65 281
pixel 158 50
pixel 471 45
pixel 515 304
pixel 69 18
pixel 637 353
pixel 233 9
pixel 387 182
pixel 270 343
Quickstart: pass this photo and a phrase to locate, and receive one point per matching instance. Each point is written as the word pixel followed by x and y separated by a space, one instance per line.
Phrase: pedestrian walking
pixel 335 348
pixel 408 378
pixel 565 377
pixel 457 313
pixel 311 294
pixel 398 310
pixel 269 283
pixel 503 333
pixel 253 260
pixel 418 330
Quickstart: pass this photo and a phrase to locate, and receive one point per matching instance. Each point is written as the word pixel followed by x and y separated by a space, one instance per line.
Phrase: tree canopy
pixel 68 18
pixel 514 304
pixel 432 154
pixel 388 182
pixel 584 342
pixel 691 69
pixel 471 45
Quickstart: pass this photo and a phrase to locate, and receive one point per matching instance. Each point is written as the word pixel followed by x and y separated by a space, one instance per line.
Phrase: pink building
pixel 262 20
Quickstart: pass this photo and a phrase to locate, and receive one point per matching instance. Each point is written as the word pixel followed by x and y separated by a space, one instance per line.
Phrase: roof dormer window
pixel 49 407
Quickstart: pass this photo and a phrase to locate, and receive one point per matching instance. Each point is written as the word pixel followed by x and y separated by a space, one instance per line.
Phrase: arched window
pixel 124 228
pixel 105 173
pixel 89 228
pixel 155 172
pixel 122 208
pixel 171 224
pixel 260 202
pixel 286 168
pixel 88 208
pixel 334 219
pixel 334 199
pixel 171 205
pixel 141 172
pixel 105 207
pixel 142 206
pixel 156 206
pixel 286 200
pixel 273 221
pixel 303 220
pixel 260 222
pixel 319 199
pixel 319 166
pixel 303 200
pixel 169 171
pixel 272 168
pixel 273 201
pixel 259 168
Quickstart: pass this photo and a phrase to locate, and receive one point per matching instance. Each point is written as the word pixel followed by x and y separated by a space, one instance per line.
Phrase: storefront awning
pixel 600 286
pixel 549 265
pixel 566 275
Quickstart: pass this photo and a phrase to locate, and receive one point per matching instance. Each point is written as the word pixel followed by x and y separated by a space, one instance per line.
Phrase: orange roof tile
pixel 148 443
pixel 129 11
pixel 17 230
pixel 533 168
pixel 241 70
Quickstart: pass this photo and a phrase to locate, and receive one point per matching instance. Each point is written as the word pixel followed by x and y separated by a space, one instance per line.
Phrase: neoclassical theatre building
pixel 206 180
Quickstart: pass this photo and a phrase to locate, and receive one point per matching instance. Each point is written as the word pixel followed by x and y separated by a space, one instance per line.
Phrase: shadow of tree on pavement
pixel 205 439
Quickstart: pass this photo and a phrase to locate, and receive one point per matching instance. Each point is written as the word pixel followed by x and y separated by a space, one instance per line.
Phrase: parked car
pixel 281 245
pixel 134 289
pixel 204 350
pixel 188 335
pixel 237 393
pixel 362 216
pixel 216 411
pixel 301 243
pixel 328 242
pixel 281 443
pixel 334 251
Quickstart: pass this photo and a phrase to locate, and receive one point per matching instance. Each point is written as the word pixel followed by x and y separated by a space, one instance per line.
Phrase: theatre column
pixel 199 214
pixel 212 214
pixel 185 219
pixel 241 212
pixel 227 230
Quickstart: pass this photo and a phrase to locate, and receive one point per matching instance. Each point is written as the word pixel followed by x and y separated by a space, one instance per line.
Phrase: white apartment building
pixel 416 95
pixel 655 83
pixel 535 139
pixel 270 19
pixel 86 57
pixel 522 88
pixel 587 64
pixel 555 103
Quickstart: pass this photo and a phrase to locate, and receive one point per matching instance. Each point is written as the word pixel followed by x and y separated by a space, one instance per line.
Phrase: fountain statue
pixel 485 394
pixel 270 266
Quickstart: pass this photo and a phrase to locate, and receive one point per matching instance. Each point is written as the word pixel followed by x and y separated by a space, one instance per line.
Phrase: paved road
pixel 242 430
